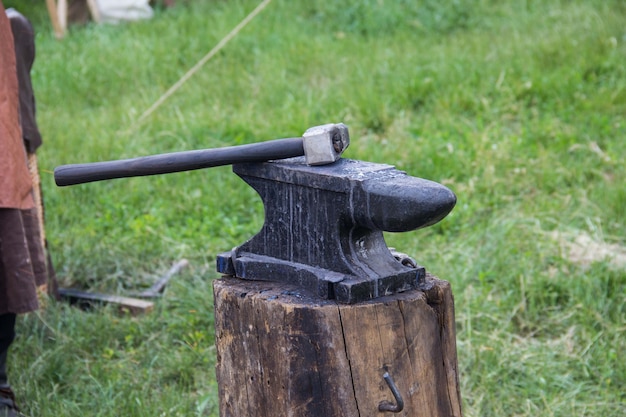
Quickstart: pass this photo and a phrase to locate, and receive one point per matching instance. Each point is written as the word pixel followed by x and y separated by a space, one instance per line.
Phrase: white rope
pixel 203 61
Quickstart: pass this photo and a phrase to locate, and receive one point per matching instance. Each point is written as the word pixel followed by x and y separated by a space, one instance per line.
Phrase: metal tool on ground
pixel 157 289
pixel 86 300
pixel 320 145
pixel 135 303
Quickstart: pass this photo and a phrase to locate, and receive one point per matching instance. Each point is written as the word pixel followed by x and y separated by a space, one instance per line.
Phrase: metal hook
pixel 388 406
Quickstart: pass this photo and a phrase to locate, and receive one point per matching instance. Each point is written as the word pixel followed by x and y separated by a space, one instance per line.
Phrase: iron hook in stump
pixel 388 406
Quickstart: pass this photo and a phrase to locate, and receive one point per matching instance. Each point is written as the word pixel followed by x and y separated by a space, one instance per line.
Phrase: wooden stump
pixel 281 352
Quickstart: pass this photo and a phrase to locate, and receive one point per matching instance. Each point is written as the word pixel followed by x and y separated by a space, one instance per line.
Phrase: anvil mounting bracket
pixel 324 227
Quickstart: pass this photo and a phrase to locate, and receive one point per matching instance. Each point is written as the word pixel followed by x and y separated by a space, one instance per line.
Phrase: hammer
pixel 320 145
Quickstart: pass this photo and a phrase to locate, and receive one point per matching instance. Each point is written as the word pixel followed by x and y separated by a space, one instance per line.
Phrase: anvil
pixel 324 227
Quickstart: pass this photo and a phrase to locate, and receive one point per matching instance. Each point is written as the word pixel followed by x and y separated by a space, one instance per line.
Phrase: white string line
pixel 203 61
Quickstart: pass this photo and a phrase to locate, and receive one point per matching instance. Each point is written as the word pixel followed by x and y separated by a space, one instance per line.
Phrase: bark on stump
pixel 281 352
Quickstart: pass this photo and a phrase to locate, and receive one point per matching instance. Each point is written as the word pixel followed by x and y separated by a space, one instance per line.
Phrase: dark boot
pixel 8 408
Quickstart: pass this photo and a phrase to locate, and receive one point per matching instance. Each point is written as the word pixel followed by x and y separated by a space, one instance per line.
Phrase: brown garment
pixel 15 182
pixel 22 259
pixel 24 43
pixel 22 262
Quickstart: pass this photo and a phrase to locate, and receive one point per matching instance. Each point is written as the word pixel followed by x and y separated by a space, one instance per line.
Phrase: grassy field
pixel 517 106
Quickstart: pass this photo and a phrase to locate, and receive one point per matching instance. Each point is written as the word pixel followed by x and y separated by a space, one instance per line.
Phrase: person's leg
pixel 17 295
pixel 7 334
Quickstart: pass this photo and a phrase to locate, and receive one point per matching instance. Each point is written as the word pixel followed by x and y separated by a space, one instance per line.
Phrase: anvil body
pixel 324 226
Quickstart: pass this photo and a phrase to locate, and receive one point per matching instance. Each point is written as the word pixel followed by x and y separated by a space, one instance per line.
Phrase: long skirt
pixel 23 265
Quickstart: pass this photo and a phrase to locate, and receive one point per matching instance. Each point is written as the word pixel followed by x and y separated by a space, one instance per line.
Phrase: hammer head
pixel 324 144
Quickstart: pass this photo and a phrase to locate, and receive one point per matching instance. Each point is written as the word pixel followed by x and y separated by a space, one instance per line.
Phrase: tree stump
pixel 281 352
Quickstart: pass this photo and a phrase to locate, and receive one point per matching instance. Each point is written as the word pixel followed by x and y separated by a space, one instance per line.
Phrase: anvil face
pixel 324 226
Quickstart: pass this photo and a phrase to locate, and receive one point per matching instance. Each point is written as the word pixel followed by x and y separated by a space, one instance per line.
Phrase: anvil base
pixel 326 284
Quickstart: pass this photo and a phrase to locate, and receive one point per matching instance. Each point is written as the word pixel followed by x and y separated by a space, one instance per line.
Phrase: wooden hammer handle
pixel 178 161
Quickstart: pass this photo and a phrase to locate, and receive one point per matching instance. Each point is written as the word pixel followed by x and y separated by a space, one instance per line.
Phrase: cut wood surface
pixel 282 352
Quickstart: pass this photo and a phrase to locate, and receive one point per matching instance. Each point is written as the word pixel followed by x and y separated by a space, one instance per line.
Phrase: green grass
pixel 518 106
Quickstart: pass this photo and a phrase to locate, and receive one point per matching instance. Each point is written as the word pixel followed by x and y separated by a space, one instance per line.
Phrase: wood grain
pixel 282 352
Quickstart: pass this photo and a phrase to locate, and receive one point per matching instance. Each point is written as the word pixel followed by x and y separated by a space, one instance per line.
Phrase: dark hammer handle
pixel 178 161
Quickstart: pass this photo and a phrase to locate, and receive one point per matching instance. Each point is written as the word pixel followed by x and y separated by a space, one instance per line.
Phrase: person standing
pixel 23 265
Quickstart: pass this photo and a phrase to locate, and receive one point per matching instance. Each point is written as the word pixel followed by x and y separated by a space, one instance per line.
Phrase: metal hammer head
pixel 324 144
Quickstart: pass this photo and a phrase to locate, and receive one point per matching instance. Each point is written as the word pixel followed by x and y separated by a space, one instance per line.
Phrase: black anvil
pixel 324 227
